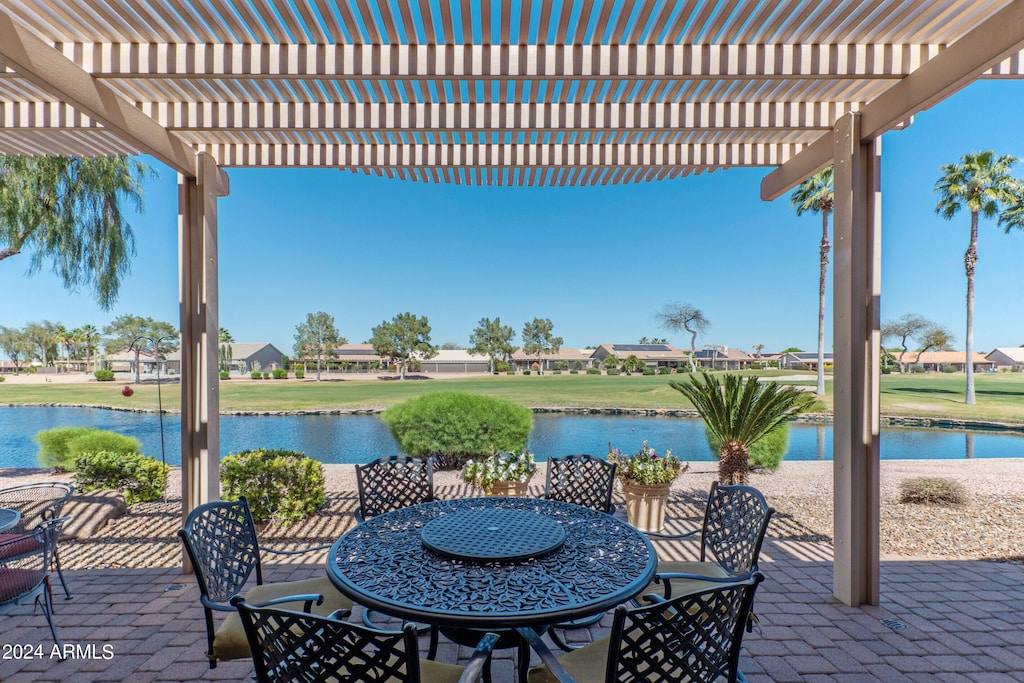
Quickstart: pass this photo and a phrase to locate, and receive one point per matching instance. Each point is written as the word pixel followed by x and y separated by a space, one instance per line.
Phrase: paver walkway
pixel 138 619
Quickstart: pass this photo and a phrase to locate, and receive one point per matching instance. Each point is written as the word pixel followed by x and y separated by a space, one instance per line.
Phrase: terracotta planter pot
pixel 646 505
pixel 509 488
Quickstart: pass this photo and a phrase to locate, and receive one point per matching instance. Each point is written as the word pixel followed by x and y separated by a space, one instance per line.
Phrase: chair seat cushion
pixel 15 583
pixel 683 586
pixel 586 665
pixel 230 643
pixel 439 672
pixel 18 545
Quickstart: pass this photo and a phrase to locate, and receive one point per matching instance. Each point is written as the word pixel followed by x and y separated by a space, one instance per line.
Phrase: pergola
pixel 508 92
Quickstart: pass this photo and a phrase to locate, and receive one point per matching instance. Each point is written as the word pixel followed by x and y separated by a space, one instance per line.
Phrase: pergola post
pixel 200 402
pixel 856 301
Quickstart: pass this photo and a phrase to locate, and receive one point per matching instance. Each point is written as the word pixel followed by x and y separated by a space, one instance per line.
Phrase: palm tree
pixel 739 412
pixel 678 317
pixel 816 195
pixel 89 336
pixel 70 213
pixel 981 183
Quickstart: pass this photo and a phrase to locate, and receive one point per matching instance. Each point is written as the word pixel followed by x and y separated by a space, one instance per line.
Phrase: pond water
pixel 361 438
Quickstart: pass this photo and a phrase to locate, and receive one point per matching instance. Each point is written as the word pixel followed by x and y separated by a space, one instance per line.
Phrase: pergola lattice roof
pixel 502 92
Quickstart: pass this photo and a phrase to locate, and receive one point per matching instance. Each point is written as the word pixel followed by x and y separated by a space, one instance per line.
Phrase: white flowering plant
pixel 645 466
pixel 486 472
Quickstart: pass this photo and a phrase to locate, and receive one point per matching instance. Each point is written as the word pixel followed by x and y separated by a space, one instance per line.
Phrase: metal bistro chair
pixel 25 569
pixel 220 539
pixel 692 637
pixel 37 503
pixel 393 482
pixel 292 647
pixel 735 522
pixel 583 480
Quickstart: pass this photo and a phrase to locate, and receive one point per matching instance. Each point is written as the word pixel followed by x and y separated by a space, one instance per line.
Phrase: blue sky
pixel 599 262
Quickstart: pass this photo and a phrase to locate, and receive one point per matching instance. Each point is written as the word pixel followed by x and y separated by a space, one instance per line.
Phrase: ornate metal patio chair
pixel 735 522
pixel 37 503
pixel 25 569
pixel 393 482
pixel 220 539
pixel 584 480
pixel 295 647
pixel 691 637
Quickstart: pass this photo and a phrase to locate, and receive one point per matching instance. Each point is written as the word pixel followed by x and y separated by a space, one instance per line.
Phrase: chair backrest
pixel 693 637
pixel 36 502
pixel 581 479
pixel 289 647
pixel 220 539
pixel 25 560
pixel 735 523
pixel 393 482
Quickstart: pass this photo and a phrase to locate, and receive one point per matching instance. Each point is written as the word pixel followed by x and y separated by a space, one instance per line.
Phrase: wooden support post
pixel 857 338
pixel 200 402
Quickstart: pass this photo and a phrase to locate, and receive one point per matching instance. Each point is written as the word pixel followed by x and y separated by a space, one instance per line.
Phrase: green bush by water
pixel 764 454
pixel 104 375
pixel 61 447
pixel 280 485
pixel 139 477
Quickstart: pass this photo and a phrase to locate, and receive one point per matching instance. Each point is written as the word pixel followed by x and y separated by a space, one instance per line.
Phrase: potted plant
pixel 646 479
pixel 501 474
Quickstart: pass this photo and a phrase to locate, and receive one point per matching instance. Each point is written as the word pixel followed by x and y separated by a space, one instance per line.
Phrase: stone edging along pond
pixel 812 418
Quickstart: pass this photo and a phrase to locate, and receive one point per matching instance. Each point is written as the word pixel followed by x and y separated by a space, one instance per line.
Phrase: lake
pixel 360 438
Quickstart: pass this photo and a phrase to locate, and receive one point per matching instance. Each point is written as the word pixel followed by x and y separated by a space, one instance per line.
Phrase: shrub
pixel 526 372
pixel 932 491
pixel 947 367
pixel 764 454
pixel 453 427
pixel 648 371
pixel 139 477
pixel 613 371
pixel 510 372
pixel 2 378
pixel 104 375
pixel 502 366
pixel 574 371
pixel 280 374
pixel 664 370
pixel 256 374
pixel 266 375
pixel 300 372
pixel 593 371
pixel 225 375
pixel 280 485
pixel 561 365
pixel 556 372
pixel 61 447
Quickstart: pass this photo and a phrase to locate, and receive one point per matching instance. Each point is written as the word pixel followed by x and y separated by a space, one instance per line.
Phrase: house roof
pixel 1014 353
pixel 644 351
pixel 564 353
pixel 943 357
pixel 592 92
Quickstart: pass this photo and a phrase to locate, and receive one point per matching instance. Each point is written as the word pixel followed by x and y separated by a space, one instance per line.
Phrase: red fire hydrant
pixel 127 391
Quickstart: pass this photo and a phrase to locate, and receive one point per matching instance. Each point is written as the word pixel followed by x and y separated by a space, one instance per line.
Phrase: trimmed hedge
pixel 764 454
pixel 280 485
pixel 61 447
pixel 139 477
pixel 104 375
pixel 454 427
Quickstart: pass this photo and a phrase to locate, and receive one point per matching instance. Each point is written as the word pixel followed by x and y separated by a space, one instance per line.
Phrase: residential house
pixel 653 355
pixel 935 361
pixel 571 357
pixel 723 358
pixel 1007 358
pixel 803 360
pixel 242 358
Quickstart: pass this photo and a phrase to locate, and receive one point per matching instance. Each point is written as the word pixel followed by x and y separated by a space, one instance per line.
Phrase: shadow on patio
pixel 136 618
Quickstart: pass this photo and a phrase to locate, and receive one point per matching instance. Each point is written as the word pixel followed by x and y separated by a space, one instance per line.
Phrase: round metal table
pixel 8 518
pixel 585 562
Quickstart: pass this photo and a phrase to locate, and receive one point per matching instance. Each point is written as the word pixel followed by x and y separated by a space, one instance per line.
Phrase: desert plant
pixel 453 427
pixel 765 453
pixel 139 477
pixel 932 491
pixel 104 375
pixel 280 485
pixel 740 412
pixel 61 447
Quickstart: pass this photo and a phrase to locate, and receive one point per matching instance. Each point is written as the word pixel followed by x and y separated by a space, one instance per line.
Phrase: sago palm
pixel 740 412
pixel 817 196
pixel 982 184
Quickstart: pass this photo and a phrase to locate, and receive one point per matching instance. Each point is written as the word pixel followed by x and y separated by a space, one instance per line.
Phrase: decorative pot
pixel 508 488
pixel 646 505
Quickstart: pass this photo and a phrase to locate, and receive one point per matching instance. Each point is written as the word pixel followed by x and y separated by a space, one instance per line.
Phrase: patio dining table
pixel 8 518
pixel 492 563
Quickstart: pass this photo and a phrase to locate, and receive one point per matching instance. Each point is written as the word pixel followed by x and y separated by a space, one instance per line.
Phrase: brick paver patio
pixel 939 620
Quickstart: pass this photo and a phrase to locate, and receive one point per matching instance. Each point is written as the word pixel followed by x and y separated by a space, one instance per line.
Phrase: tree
pixel 452 346
pixel 633 363
pixel 16 346
pixel 89 335
pixel 816 195
pixel 318 336
pixel 41 341
pixel 982 184
pixel 678 317
pixel 224 353
pixel 405 338
pixel 929 335
pixel 70 212
pixel 137 334
pixel 538 339
pixel 739 412
pixel 492 339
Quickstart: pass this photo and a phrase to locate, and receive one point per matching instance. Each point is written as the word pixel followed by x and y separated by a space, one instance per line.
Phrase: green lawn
pixel 1000 397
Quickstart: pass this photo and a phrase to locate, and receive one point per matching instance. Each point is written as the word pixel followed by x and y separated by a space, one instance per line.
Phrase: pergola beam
pixel 957 66
pixel 46 68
